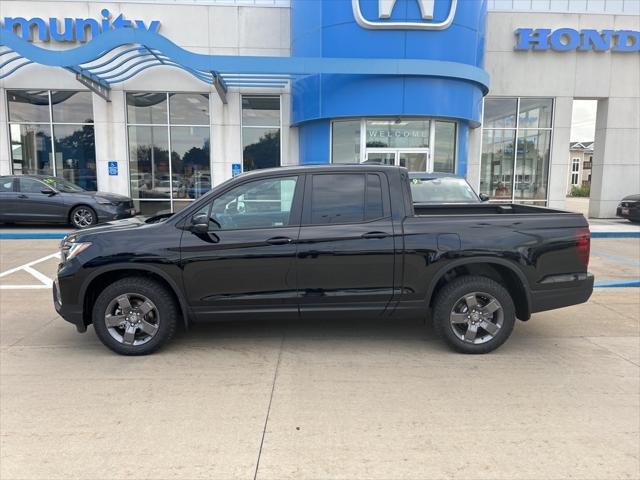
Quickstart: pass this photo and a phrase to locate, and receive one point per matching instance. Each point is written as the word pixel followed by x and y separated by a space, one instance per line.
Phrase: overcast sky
pixel 583 123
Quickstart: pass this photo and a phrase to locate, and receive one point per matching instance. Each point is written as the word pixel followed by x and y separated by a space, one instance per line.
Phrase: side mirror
pixel 484 197
pixel 48 191
pixel 200 223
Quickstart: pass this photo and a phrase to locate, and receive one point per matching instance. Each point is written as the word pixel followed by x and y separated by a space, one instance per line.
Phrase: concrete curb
pixel 618 284
pixel 31 236
pixel 614 234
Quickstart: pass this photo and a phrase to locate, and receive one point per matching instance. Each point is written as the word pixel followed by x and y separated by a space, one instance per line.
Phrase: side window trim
pixel 308 195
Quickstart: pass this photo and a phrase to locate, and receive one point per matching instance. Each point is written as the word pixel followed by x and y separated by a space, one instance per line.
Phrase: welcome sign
pixel 72 29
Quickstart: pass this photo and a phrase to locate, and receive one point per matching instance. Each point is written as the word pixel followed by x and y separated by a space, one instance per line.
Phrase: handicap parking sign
pixel 113 169
pixel 236 169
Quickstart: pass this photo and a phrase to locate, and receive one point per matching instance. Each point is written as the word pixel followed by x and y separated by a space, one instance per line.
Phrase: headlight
pixel 104 201
pixel 70 250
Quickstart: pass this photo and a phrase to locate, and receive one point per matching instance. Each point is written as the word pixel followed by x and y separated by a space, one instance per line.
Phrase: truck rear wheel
pixel 135 316
pixel 474 314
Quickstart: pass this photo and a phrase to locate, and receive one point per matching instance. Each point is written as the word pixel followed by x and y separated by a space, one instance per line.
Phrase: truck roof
pixel 323 168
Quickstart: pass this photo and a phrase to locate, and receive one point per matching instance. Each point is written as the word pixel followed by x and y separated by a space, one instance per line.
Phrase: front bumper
pixel 630 213
pixel 562 291
pixel 71 313
pixel 107 213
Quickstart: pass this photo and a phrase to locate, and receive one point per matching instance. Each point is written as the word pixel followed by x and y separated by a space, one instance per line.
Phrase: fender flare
pixel 483 260
pixel 184 308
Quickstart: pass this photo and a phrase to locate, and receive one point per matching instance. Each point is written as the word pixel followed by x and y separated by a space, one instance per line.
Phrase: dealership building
pixel 163 100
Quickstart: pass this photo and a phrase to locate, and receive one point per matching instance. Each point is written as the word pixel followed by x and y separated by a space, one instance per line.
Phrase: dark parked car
pixel 303 242
pixel 46 199
pixel 629 208
pixel 439 188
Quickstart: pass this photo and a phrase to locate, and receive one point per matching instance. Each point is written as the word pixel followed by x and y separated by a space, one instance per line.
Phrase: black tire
pixel 164 317
pixel 83 216
pixel 451 305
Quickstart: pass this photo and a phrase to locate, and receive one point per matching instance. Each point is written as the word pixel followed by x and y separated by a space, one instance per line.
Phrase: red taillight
pixel 583 245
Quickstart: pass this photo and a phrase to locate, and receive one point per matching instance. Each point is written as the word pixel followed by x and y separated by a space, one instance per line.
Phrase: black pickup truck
pixel 330 241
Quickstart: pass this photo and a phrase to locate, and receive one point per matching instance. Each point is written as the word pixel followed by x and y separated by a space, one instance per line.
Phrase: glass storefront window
pixel 345 141
pixel 169 148
pixel 260 111
pixel 396 141
pixel 72 107
pixel 500 112
pixel 150 208
pixel 76 155
pixel 28 106
pixel 190 161
pixel 31 149
pixel 260 132
pixel 444 149
pixel 189 108
pixel 260 148
pixel 535 113
pixel 532 164
pixel 397 133
pixel 71 154
pixel 497 163
pixel 147 108
pixel 516 154
pixel 149 162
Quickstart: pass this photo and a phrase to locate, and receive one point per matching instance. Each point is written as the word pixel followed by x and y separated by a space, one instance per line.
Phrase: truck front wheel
pixel 135 316
pixel 474 314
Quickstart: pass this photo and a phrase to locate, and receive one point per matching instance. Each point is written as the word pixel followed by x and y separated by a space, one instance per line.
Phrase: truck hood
pixel 115 225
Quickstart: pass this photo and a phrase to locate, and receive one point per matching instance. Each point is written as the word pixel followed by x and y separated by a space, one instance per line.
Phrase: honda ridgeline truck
pixel 323 241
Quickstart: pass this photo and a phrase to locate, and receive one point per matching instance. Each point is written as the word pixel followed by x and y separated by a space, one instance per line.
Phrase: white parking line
pixel 45 282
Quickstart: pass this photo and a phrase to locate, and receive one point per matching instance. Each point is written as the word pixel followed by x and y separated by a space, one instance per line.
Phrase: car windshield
pixel 442 190
pixel 62 185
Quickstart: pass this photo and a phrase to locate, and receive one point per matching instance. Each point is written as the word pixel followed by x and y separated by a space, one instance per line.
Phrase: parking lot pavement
pixel 325 399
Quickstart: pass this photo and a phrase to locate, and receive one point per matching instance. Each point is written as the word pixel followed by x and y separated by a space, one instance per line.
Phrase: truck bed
pixel 421 209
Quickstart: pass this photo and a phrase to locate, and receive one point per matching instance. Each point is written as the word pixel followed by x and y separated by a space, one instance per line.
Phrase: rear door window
pixel 6 184
pixel 337 198
pixel 374 207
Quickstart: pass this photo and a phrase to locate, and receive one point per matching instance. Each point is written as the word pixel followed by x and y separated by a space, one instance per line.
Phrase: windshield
pixel 442 190
pixel 62 185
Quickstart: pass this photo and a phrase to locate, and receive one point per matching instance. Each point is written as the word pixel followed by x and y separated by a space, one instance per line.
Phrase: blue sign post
pixel 113 169
pixel 236 169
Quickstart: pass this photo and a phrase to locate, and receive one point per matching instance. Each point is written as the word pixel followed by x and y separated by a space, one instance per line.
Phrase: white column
pixel 474 157
pixel 559 167
pixel 109 120
pixel 5 143
pixel 226 141
pixel 616 158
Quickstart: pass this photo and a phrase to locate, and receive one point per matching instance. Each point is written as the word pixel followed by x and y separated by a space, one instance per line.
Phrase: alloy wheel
pixel 82 217
pixel 132 319
pixel 476 318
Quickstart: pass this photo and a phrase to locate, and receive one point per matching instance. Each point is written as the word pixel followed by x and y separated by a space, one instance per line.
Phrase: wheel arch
pixel 98 280
pixel 502 271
